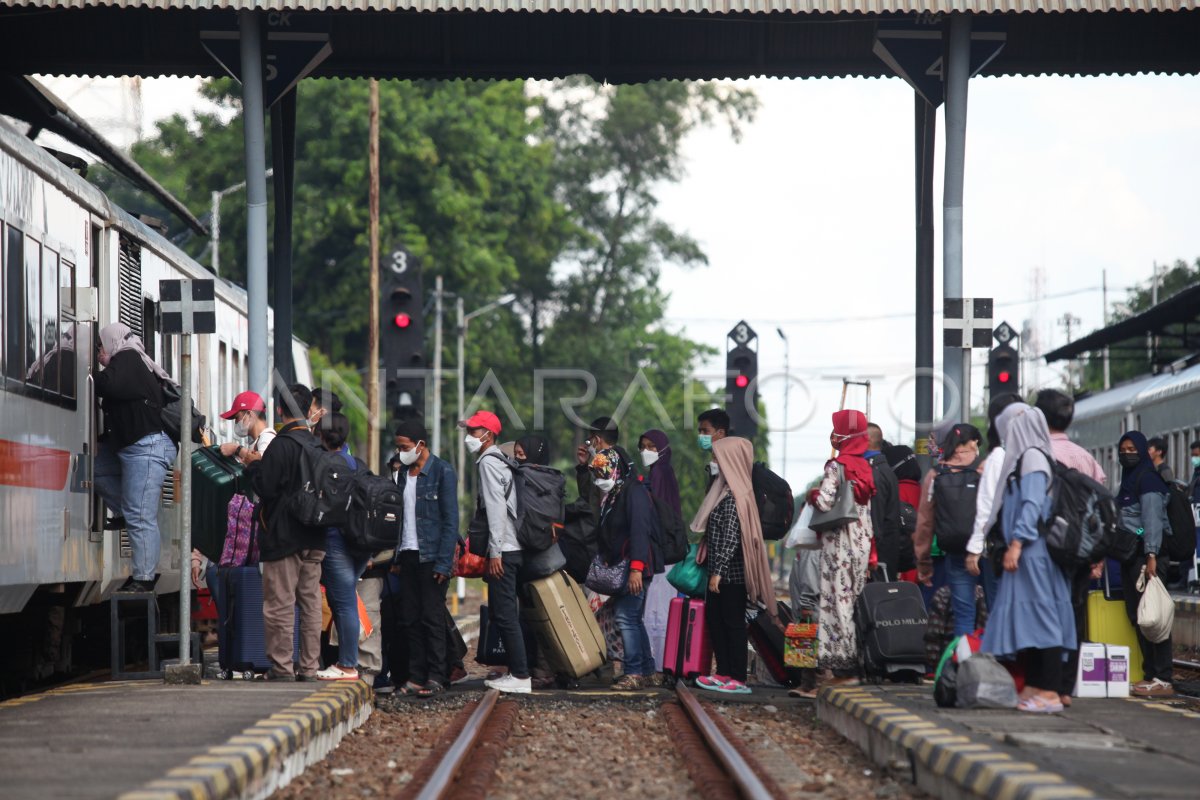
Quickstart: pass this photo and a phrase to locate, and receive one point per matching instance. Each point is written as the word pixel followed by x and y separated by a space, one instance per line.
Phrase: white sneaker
pixel 511 685
pixel 337 673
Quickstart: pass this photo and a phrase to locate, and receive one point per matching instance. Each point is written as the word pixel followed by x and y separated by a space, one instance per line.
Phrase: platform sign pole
pixel 188 307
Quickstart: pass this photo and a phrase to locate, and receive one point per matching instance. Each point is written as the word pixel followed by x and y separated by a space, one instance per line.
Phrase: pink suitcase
pixel 688 650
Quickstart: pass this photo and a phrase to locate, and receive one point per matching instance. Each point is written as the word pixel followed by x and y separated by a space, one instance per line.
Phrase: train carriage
pixel 71 262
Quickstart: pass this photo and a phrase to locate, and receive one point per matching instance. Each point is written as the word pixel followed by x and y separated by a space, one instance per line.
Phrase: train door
pixel 91 410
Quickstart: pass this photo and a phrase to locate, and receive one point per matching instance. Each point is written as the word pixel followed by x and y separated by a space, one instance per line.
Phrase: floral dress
pixel 845 553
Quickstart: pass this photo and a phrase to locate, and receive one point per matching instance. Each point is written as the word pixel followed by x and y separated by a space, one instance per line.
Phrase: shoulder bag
pixel 844 509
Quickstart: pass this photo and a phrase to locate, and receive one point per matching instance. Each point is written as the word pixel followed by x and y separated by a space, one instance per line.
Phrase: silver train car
pixel 1166 405
pixel 71 262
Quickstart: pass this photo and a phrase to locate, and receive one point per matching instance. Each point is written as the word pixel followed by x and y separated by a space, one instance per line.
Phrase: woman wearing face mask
pixel 1142 499
pixel 655 450
pixel 627 520
pixel 845 551
pixel 1032 617
pixel 532 449
pixel 134 454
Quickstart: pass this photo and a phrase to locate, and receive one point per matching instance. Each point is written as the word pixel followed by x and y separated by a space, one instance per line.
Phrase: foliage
pixel 345 381
pixel 544 190
pixel 1130 359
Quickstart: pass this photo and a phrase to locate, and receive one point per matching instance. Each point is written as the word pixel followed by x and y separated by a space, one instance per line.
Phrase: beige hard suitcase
pixel 566 629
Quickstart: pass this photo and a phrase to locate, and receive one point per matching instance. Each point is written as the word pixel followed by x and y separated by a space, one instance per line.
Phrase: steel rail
pixel 1179 662
pixel 442 779
pixel 748 784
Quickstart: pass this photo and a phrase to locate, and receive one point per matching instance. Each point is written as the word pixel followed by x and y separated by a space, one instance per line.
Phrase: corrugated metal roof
pixel 644 6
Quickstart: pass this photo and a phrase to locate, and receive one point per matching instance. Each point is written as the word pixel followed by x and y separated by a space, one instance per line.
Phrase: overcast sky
pixel 808 221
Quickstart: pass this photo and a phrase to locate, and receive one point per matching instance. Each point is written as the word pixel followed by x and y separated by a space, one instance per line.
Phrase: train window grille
pixel 129 283
pixel 125 543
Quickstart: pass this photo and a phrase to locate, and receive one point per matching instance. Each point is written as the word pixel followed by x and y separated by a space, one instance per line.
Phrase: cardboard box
pixel 1117 664
pixel 1091 680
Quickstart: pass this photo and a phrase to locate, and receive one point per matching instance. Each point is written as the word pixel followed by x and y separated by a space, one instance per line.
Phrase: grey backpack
pixel 541 503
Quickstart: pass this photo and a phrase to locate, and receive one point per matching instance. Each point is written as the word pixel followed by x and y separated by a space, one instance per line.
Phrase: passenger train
pixel 1166 405
pixel 70 263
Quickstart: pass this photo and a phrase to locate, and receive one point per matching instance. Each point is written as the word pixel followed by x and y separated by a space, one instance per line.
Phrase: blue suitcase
pixel 241 641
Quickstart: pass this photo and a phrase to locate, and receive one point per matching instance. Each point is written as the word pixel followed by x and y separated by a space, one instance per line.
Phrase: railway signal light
pixel 402 340
pixel 741 383
pixel 1003 370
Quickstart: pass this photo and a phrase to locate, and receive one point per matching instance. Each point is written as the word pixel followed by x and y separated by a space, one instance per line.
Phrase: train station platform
pixel 1097 748
pixel 143 740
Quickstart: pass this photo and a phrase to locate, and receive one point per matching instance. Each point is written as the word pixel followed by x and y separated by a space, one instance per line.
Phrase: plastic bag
pixel 801 536
pixel 984 683
pixel 689 577
pixel 1156 610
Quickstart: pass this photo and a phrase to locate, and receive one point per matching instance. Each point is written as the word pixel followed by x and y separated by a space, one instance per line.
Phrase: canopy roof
pixel 1180 308
pixel 615 40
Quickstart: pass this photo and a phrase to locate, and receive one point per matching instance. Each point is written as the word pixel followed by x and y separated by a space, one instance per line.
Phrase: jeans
pixel 422 619
pixel 503 613
pixel 628 609
pixel 130 482
pixel 340 572
pixel 939 580
pixel 725 615
pixel 962 593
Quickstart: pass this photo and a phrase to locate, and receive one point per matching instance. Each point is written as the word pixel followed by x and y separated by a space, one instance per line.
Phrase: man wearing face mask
pixel 713 426
pixel 249 416
pixel 425 557
pixel 324 403
pixel 497 501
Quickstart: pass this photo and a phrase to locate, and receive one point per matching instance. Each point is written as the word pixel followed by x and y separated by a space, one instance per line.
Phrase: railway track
pixel 465 759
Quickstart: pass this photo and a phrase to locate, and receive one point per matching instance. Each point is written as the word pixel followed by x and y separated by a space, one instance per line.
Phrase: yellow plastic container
pixel 1107 623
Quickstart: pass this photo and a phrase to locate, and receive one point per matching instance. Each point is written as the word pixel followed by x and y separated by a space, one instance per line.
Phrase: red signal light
pixel 742 381
pixel 403 320
pixel 1004 377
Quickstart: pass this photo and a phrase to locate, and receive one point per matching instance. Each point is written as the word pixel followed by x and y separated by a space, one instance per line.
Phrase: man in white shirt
pixel 249 416
pixel 497 502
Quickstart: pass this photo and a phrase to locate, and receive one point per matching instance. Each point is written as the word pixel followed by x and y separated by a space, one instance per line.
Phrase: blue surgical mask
pixel 1195 462
pixel 705 441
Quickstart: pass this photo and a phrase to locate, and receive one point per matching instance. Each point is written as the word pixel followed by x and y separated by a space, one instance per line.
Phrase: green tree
pixel 1129 359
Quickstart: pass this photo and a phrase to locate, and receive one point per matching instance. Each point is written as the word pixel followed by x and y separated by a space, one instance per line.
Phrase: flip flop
pixel 803 694
pixel 1036 705
pixel 409 689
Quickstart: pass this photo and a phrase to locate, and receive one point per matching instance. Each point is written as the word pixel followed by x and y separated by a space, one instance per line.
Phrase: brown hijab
pixel 735 457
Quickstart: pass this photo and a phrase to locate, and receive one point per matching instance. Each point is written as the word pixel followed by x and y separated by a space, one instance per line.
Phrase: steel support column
pixel 925 133
pixel 283 160
pixel 256 197
pixel 957 72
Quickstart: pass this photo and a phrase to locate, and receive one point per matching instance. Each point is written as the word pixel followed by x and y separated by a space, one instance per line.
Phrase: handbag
pixel 802 536
pixel 605 579
pixel 1156 610
pixel 466 563
pixel 478 531
pixel 689 577
pixel 843 511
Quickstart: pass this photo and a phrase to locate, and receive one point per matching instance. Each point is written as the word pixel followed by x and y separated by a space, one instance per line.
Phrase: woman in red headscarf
pixel 846 550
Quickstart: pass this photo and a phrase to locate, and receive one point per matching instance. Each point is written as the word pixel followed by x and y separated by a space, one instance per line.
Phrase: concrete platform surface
pixel 102 740
pixel 1103 748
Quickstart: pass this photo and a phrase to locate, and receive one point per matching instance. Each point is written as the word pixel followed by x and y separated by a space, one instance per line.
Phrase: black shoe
pixel 305 678
pixel 114 524
pixel 136 587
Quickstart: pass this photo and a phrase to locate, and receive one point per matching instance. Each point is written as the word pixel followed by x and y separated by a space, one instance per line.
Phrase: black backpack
pixel 375 515
pixel 776 504
pixel 954 490
pixel 671 532
pixel 1180 545
pixel 541 506
pixel 1083 517
pixel 170 414
pixel 325 479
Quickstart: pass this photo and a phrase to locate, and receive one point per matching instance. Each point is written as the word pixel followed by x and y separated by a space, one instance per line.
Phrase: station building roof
pixel 614 40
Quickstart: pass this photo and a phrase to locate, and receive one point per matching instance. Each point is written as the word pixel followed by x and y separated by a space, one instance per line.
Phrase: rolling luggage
pixel 688 652
pixel 215 480
pixel 489 650
pixel 241 642
pixel 891 621
pixel 564 626
pixel 1108 623
pixel 767 639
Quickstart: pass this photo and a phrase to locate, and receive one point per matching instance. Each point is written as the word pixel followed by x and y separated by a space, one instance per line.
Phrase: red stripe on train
pixel 32 466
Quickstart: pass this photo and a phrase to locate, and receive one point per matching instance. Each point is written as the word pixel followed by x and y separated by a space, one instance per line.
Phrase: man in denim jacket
pixel 425 557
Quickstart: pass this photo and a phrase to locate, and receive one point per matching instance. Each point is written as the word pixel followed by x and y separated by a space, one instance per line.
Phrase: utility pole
pixel 1104 290
pixel 787 386
pixel 1069 321
pixel 437 367
pixel 461 328
pixel 373 458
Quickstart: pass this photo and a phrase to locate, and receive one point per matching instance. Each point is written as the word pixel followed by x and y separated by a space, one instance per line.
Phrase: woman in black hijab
pixel 532 449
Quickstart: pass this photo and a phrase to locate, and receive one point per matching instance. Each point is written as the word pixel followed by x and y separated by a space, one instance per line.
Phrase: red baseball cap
pixel 246 401
pixel 482 419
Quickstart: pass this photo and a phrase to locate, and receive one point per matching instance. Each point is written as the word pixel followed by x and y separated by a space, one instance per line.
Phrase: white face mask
pixel 604 484
pixel 714 468
pixel 649 458
pixel 240 429
pixel 409 457
pixel 473 444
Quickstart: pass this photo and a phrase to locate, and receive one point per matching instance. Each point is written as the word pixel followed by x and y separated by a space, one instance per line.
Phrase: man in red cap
pixel 249 415
pixel 498 503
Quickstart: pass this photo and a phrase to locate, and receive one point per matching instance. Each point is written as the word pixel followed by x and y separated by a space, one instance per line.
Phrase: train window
pixel 39 373
pixel 14 311
pixel 33 322
pixel 235 371
pixel 223 375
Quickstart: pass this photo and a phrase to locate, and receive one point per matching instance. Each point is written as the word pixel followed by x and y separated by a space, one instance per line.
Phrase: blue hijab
pixel 1140 478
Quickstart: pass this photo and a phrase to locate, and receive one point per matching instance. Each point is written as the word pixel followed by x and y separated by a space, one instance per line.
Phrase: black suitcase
pixel 241 640
pixel 891 621
pixel 767 640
